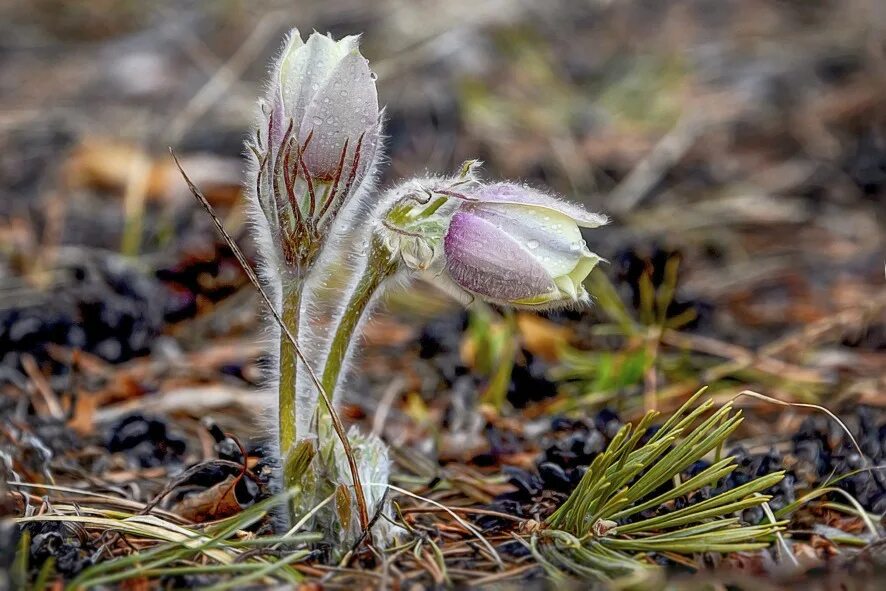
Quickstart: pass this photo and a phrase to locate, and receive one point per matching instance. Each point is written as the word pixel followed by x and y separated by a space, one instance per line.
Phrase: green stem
pixel 378 268
pixel 286 387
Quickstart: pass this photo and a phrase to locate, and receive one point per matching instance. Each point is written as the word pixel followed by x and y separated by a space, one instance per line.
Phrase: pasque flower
pixel 312 157
pixel 316 142
pixel 330 243
pixel 510 244
pixel 326 91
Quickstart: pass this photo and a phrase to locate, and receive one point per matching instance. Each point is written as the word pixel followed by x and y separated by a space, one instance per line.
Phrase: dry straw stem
pixel 452 514
pixel 173 545
pixel 818 407
pixel 247 268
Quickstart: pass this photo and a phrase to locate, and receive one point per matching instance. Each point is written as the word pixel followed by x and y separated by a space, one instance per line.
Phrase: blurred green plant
pixel 643 92
pixel 653 359
pixel 494 342
pixel 600 377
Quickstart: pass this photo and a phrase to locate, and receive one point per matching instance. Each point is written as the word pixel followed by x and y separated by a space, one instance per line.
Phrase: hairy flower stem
pixel 380 265
pixel 286 390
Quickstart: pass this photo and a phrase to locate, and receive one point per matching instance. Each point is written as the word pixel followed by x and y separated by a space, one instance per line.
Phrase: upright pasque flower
pixel 313 150
pixel 510 244
pixel 317 142
pixel 326 89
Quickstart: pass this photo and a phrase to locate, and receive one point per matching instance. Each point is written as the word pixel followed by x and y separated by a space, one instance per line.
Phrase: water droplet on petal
pixel 318 120
pixel 532 244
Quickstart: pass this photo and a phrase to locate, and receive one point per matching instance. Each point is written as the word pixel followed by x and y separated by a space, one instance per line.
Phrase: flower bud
pixel 513 245
pixel 325 88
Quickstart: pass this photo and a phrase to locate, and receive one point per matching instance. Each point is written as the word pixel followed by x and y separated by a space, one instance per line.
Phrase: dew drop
pixel 532 244
pixel 344 93
pixel 318 120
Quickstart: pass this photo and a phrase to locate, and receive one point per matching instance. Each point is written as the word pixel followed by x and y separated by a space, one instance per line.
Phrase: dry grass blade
pixel 453 514
pixel 818 407
pixel 148 526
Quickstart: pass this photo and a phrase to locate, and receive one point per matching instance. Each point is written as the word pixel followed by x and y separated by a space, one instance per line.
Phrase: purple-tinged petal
pixel 345 107
pixel 276 118
pixel 484 260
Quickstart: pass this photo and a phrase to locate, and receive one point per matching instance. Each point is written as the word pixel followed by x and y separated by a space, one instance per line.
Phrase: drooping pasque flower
pixel 510 244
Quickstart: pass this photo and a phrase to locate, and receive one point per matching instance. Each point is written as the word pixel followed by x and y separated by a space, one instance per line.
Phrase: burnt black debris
pixel 225 446
pixel 51 539
pixel 438 344
pixel 207 273
pixel 442 334
pixel 99 304
pixel 569 447
pixel 514 549
pixel 146 442
pixel 754 465
pixel 865 162
pixel 823 451
pixel 529 382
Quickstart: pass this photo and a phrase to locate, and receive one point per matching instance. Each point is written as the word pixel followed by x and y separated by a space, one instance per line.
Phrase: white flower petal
pixel 519 194
pixel 303 72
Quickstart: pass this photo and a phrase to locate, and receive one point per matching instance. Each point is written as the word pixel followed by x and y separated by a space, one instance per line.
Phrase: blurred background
pixel 739 146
